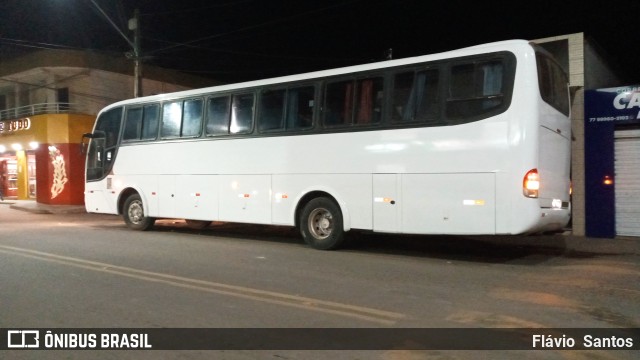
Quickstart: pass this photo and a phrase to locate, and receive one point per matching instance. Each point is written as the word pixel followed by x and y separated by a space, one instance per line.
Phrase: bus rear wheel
pixel 133 214
pixel 321 224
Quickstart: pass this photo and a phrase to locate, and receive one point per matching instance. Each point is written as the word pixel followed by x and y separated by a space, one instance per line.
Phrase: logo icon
pixel 23 339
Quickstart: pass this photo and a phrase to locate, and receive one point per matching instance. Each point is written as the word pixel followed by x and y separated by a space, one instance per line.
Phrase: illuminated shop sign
pixel 15 125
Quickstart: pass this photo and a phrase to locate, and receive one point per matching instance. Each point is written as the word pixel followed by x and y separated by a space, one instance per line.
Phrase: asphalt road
pixel 90 271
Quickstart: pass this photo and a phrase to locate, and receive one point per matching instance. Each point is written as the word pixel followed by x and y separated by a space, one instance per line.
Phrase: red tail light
pixel 531 183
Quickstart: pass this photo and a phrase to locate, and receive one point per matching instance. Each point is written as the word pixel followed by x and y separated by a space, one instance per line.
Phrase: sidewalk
pixel 33 206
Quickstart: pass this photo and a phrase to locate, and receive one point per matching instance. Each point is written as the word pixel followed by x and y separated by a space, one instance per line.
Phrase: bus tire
pixel 133 214
pixel 321 224
pixel 197 224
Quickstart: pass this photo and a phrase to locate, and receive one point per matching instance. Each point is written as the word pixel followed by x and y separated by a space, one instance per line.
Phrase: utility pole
pixel 136 54
pixel 134 24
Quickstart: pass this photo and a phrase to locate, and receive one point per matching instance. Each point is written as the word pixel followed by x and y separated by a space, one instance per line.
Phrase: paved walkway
pixel 38 208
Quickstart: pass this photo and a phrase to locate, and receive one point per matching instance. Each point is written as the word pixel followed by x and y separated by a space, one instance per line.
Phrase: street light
pixel 136 54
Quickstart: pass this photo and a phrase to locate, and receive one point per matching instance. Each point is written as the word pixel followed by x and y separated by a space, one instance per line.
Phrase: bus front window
pixel 103 144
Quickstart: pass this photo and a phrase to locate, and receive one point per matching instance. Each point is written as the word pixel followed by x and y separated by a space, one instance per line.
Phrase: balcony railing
pixel 36 109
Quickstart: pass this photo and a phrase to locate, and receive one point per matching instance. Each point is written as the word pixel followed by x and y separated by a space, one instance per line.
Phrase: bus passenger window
pixel 415 96
pixel 192 118
pixel 271 110
pixel 241 114
pixel 369 104
pixel 475 90
pixel 141 123
pixel 218 116
pixel 171 119
pixel 300 103
pixel 354 102
pixel 132 124
pixel 150 122
pixel 338 103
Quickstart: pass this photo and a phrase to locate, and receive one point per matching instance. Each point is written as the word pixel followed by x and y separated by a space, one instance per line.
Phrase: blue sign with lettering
pixel 605 109
pixel 618 105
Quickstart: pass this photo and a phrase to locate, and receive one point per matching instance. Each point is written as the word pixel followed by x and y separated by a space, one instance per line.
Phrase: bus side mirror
pixel 95 135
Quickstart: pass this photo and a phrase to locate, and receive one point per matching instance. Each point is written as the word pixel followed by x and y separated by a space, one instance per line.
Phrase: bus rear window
pixel 553 83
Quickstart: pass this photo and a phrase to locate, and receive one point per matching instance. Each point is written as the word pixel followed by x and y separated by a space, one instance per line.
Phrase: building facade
pixel 48 99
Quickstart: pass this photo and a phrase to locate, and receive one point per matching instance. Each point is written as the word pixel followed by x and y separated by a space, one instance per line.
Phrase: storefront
pixel 41 158
pixel 612 161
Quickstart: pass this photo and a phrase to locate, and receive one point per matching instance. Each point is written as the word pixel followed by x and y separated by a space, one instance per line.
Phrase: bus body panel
pixel 387 203
pixel 198 197
pixel 460 203
pixel 245 198
pixel 95 200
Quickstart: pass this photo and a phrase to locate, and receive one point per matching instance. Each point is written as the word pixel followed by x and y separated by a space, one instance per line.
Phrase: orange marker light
pixel 531 183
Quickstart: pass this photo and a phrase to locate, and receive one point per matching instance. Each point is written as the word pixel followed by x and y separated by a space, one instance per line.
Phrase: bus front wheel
pixel 134 216
pixel 321 224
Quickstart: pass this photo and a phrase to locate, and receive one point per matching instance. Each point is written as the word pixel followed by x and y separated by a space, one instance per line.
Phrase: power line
pixel 197 9
pixel 251 27
pixel 35 44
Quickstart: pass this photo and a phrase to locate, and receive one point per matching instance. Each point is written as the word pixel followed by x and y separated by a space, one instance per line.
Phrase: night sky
pixel 234 40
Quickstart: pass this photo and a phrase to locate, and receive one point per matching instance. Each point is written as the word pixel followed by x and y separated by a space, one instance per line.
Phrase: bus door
pixel 101 154
pixel 96 190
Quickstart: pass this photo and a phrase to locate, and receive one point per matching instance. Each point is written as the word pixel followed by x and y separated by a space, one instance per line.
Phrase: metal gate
pixel 627 182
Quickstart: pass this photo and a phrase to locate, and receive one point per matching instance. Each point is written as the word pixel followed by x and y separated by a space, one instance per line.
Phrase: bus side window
pixel 150 122
pixel 300 102
pixel 271 110
pixel 132 124
pixel 415 96
pixel 141 123
pixel 475 89
pixel 192 118
pixel 369 101
pixel 242 114
pixel 218 116
pixel 338 103
pixel 171 119
pixel 354 102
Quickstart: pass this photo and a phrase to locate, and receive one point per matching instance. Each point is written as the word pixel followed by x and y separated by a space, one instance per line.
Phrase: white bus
pixel 471 141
